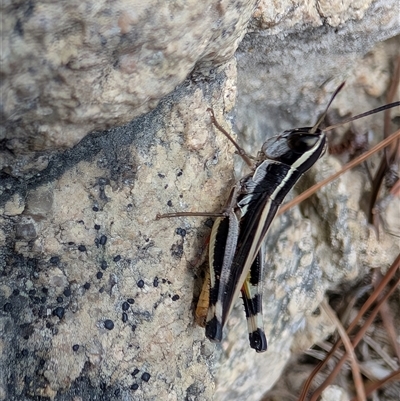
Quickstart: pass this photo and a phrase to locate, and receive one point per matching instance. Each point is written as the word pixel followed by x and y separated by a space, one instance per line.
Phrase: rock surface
pixel 77 66
pixel 97 296
pixel 88 242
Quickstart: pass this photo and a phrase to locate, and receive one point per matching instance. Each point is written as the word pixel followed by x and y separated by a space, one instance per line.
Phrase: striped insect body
pixel 285 158
pixel 236 248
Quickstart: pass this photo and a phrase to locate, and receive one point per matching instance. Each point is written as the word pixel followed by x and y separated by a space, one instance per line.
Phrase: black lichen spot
pixel 108 324
pixel 82 248
pixel 99 275
pixel 59 312
pixel 86 286
pixel 124 317
pixel 169 203
pixel 97 227
pixel 164 280
pixel 117 258
pixel 135 372
pixel 175 297
pixel 103 265
pixel 131 301
pixel 60 300
pixel 24 352
pixel 134 327
pixel 155 282
pixel 117 392
pixel 146 377
pixel 140 283
pixel 179 173
pixel 75 347
pixel 55 260
pixel 45 290
pixel 103 240
pixel 67 292
pixel 95 208
pixel 70 243
pixel 125 306
pixel 181 232
pixel 161 175
pixel 134 386
pixel 32 292
pixel 16 292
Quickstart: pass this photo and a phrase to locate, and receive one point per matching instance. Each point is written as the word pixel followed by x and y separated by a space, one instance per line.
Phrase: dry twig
pixel 349 349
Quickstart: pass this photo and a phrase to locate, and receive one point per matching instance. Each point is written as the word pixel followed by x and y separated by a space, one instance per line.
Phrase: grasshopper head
pixel 297 148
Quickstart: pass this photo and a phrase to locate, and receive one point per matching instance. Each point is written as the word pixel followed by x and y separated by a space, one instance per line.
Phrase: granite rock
pixel 68 215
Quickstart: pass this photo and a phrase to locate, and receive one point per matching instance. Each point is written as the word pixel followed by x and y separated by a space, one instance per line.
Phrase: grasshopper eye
pixel 300 142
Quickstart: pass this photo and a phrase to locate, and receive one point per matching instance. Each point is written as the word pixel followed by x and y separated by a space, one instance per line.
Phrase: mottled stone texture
pixel 96 296
pixel 71 67
pixel 87 241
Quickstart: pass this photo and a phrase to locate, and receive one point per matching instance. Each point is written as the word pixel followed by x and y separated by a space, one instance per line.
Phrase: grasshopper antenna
pixel 315 127
pixel 367 113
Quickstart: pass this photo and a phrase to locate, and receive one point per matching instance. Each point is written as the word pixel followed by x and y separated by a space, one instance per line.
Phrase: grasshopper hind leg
pixel 252 300
pixel 252 306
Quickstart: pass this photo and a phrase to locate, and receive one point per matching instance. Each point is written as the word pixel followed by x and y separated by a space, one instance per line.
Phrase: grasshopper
pixel 236 251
